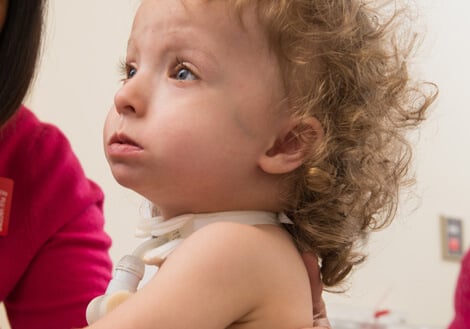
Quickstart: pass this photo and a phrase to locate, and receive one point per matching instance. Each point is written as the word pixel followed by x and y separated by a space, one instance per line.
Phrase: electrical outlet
pixel 452 238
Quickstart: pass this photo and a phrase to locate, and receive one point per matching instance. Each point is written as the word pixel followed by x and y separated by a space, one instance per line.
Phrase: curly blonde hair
pixel 346 66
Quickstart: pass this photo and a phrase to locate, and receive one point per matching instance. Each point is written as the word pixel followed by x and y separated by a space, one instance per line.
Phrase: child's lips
pixel 120 144
pixel 122 139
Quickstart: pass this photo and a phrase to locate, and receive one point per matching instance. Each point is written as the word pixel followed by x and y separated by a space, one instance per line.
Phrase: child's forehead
pixel 202 34
pixel 231 7
pixel 179 15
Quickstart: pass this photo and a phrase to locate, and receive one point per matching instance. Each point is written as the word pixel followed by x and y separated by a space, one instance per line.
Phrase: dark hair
pixel 20 41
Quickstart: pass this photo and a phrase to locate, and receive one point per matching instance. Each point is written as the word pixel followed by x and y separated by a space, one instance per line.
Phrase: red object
pixel 454 244
pixel 54 259
pixel 462 296
pixel 6 193
pixel 380 313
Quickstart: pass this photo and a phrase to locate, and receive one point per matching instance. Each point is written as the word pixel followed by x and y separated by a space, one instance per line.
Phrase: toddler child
pixel 274 128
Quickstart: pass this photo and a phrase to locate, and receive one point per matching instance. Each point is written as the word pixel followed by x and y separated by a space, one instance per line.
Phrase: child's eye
pixel 182 72
pixel 127 71
pixel 131 71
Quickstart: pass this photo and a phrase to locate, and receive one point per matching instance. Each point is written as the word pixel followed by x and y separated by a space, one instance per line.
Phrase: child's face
pixel 200 104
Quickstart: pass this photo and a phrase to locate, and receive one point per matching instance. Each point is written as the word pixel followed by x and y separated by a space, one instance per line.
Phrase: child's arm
pixel 213 279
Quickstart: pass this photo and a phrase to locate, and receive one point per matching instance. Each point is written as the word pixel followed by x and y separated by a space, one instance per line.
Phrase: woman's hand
pixel 320 319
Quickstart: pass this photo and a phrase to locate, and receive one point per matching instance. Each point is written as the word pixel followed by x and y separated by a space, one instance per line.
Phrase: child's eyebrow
pixel 188 43
pixel 130 45
pixel 185 46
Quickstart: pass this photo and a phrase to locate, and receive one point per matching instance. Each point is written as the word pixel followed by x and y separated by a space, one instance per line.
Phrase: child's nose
pixel 129 99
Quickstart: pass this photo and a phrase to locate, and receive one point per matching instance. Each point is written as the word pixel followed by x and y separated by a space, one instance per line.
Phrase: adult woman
pixel 53 250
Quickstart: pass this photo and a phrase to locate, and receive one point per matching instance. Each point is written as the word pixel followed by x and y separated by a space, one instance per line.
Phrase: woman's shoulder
pixel 47 174
pixel 25 135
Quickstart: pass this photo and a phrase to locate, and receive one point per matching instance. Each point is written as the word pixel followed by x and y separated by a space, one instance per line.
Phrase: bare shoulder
pixel 257 248
pixel 225 275
pixel 246 263
pixel 234 250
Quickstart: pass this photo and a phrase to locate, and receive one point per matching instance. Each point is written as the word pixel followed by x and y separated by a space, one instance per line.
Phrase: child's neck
pixel 167 234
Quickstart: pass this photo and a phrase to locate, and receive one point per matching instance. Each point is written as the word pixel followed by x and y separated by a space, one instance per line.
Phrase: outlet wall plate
pixel 452 238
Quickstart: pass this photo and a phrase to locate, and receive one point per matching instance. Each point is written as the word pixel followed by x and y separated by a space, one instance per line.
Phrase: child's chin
pixel 123 176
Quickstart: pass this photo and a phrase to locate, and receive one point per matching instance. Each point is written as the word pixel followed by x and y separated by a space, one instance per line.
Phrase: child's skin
pixel 203 104
pixel 200 125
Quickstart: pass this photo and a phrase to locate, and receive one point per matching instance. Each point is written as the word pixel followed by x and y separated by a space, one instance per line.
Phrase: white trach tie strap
pixel 157 226
pixel 159 254
pixel 282 217
pixel 166 235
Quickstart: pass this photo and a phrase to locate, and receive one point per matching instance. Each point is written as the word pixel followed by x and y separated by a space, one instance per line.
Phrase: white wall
pixel 79 73
pixel 405 271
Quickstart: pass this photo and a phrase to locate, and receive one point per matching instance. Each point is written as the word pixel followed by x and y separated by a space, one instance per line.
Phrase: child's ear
pixel 290 148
